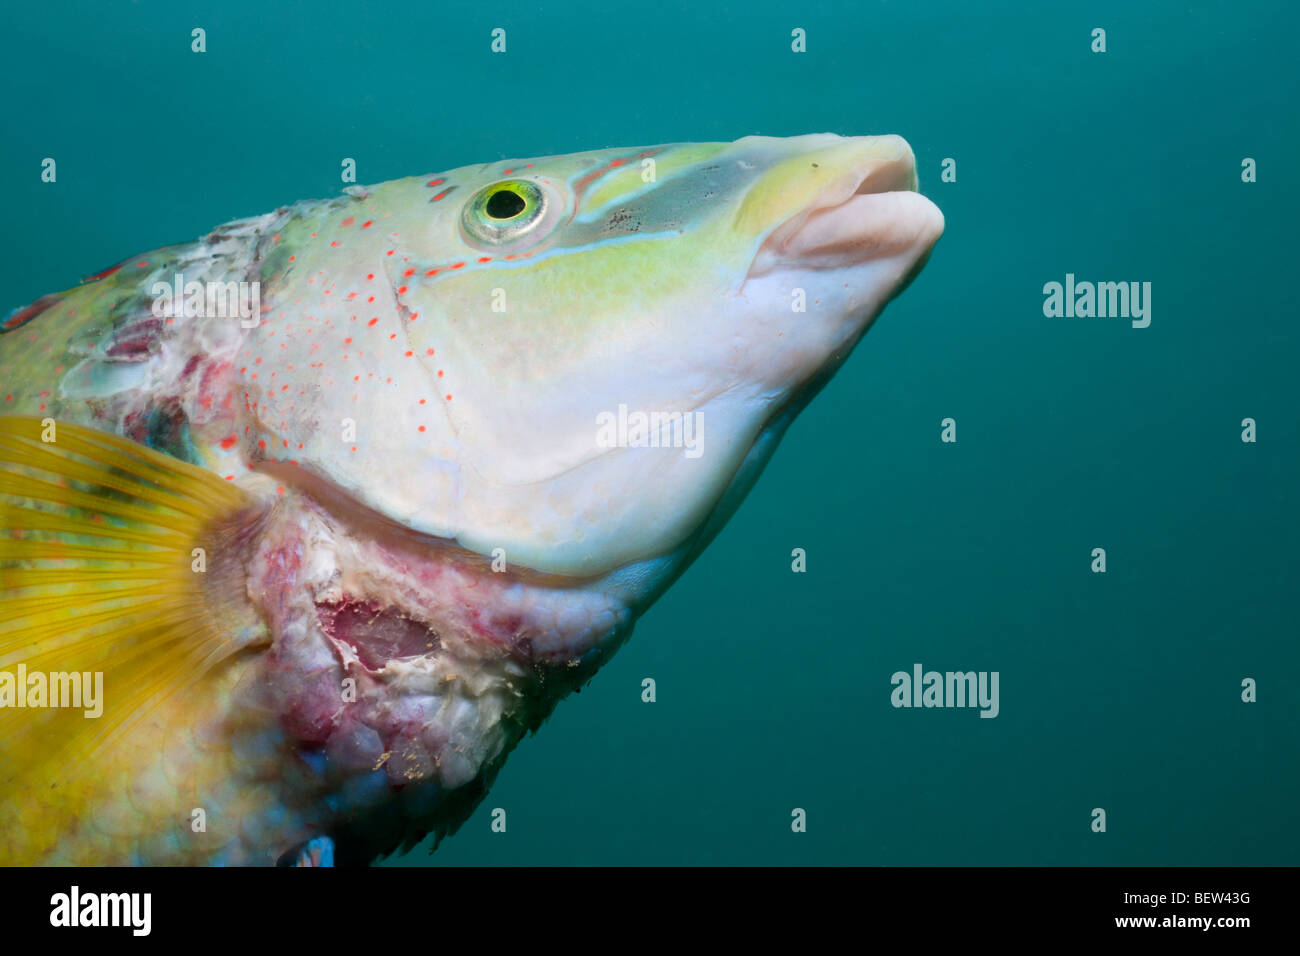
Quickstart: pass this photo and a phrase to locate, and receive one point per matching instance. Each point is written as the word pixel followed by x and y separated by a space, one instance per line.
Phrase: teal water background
pixel 1119 691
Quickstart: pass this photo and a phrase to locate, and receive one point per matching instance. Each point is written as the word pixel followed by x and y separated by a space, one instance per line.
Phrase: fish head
pixel 604 347
pixel 633 301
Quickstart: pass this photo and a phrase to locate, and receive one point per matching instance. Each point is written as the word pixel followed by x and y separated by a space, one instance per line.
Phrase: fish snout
pixel 858 203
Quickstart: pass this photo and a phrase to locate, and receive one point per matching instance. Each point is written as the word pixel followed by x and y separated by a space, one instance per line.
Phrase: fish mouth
pixel 869 211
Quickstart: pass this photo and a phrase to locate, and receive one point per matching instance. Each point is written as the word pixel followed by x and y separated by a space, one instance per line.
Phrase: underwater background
pixel 1119 690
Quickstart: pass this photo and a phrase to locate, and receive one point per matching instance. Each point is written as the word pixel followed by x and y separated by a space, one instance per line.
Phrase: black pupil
pixel 504 204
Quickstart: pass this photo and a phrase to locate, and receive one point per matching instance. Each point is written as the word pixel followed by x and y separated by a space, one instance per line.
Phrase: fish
pixel 306 524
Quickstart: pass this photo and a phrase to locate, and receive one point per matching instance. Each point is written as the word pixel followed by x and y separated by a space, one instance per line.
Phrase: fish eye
pixel 506 213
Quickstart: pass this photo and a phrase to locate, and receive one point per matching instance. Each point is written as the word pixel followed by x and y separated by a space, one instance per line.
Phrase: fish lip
pixel 871 210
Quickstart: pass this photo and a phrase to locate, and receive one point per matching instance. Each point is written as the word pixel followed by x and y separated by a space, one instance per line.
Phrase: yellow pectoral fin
pixel 121 583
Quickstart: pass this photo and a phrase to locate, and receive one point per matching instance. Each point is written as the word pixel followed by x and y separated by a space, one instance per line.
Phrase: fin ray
pixel 97 574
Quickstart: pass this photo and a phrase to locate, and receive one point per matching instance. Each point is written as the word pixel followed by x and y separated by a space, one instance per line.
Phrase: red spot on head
pixel 373 321
pixel 485 259
pixel 228 441
pixel 261 443
pixel 434 182
pixel 408 273
pixel 421 428
pixel 347 222
pixel 439 196
pixel 432 272
pixel 100 275
pixel 402 290
pixel 366 225
pixel 409 353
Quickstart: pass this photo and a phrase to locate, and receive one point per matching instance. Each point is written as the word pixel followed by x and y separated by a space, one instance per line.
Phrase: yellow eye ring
pixel 504 212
